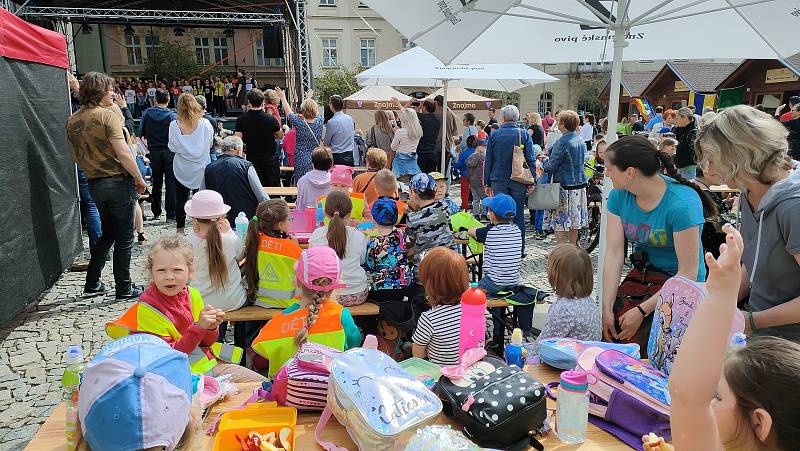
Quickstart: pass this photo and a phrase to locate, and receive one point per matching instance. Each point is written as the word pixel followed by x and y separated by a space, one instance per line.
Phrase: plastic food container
pixel 419 367
pixel 263 417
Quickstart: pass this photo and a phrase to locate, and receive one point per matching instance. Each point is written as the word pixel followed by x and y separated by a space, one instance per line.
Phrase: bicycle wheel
pixel 589 236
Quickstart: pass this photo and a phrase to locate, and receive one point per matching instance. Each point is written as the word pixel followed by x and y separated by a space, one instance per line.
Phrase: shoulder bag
pixel 520 172
pixel 545 196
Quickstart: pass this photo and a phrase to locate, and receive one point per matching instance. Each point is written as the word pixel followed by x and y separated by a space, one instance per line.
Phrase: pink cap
pixel 317 262
pixel 575 381
pixel 342 175
pixel 206 204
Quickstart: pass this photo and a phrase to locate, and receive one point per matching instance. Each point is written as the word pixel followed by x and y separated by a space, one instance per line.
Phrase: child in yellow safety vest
pixel 172 310
pixel 342 180
pixel 270 256
pixel 315 317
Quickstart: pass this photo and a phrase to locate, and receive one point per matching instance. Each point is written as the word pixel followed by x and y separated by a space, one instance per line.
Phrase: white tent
pixel 363 104
pixel 486 31
pixel 417 67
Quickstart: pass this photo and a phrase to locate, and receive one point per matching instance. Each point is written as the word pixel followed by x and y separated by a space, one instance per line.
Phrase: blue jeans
pixel 518 192
pixel 115 198
pixel 89 211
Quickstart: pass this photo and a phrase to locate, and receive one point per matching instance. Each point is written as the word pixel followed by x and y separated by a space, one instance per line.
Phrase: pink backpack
pixel 303 382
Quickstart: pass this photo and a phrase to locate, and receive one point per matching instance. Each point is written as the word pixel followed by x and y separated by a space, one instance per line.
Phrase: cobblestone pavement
pixel 32 346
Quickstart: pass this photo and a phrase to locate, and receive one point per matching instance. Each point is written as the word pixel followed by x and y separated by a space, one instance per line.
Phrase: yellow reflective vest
pixel 144 318
pixel 276 259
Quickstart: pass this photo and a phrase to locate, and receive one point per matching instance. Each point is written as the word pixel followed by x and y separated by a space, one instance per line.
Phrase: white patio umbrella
pixel 417 67
pixel 489 31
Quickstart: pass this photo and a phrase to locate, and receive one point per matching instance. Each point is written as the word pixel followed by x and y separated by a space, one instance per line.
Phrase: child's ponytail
pixel 313 309
pixel 269 214
pixel 337 206
pixel 217 266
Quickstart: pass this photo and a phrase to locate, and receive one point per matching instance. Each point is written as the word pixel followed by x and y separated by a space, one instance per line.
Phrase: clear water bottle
pixel 572 407
pixel 70 385
pixel 241 225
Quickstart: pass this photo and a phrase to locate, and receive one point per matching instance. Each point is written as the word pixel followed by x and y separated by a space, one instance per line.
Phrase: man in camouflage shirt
pixel 428 226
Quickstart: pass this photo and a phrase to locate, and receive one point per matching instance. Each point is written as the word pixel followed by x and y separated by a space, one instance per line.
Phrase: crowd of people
pixel 222 92
pixel 387 236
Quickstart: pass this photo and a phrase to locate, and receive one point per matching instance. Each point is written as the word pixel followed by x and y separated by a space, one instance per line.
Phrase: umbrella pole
pixel 611 136
pixel 444 131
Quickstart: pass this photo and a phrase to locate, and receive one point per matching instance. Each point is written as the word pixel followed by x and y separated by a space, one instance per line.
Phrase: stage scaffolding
pixel 293 18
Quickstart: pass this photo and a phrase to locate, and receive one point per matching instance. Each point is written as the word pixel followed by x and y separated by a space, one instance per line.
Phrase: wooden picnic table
pixel 255 313
pixel 51 435
pixel 723 189
pixel 356 169
pixel 280 191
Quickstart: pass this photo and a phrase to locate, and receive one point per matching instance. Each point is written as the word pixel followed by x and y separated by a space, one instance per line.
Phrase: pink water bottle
pixel 473 319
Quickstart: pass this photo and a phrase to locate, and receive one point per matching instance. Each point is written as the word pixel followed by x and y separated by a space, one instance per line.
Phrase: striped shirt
pixel 502 252
pixel 439 329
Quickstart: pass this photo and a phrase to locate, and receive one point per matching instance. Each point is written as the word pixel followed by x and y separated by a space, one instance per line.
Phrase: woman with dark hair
pixel 662 215
pixel 468 120
pixel 685 132
pixel 587 130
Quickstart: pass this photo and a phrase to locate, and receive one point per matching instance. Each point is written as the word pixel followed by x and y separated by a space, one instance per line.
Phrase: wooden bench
pixel 273 191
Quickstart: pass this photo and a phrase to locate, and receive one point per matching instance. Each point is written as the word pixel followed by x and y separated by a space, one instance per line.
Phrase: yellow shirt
pixel 219 89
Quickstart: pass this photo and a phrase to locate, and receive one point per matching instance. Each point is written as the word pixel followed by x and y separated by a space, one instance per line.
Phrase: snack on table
pixel 652 442
pixel 266 442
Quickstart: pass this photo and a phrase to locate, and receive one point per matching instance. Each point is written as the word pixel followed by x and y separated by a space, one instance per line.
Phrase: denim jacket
pixel 500 151
pixel 566 160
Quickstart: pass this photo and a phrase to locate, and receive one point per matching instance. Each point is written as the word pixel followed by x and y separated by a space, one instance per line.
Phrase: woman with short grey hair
pixel 497 169
pixel 747 149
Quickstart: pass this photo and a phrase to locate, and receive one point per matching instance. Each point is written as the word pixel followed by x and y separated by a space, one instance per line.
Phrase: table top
pixel 356 169
pixel 280 190
pixel 722 189
pixel 253 312
pixel 51 435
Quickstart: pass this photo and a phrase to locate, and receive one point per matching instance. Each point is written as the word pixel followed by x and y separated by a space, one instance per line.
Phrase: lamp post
pixel 155 59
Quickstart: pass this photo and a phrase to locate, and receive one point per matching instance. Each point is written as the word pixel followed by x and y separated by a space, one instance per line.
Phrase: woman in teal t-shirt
pixel 662 216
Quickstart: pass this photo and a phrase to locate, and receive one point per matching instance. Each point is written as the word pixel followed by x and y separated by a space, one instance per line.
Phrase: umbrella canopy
pixel 464 100
pixel 374 98
pixel 488 31
pixel 417 67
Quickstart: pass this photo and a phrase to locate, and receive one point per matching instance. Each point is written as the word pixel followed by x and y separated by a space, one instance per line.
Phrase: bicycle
pixel 589 236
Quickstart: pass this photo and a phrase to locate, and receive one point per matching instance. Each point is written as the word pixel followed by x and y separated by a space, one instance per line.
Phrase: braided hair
pixel 636 151
pixel 317 297
pixel 269 214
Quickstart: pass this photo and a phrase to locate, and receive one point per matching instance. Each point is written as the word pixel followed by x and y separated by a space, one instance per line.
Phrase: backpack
pixel 675 307
pixel 498 404
pixel 630 396
pixel 642 282
pixel 563 353
pixel 303 381
pixel 379 403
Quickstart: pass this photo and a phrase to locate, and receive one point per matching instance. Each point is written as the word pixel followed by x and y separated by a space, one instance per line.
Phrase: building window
pixel 330 56
pixel 150 43
pixel 220 50
pixel 405 44
pixel 202 51
pixel 261 60
pixel 133 46
pixel 368 55
pixel 327 2
pixel 545 102
pixel 593 67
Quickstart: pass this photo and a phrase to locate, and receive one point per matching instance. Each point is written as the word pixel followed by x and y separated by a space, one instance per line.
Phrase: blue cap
pixel 423 182
pixel 384 211
pixel 502 205
pixel 665 130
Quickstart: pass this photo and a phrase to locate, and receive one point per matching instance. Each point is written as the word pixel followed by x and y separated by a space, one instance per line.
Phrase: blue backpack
pixel 563 353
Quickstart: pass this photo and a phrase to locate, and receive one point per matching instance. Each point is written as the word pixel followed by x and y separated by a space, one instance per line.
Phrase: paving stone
pixel 27 357
pixel 22 433
pixel 5 394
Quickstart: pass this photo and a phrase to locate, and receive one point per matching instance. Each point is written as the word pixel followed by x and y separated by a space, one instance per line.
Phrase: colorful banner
pixel 730 97
pixel 644 107
pixel 701 101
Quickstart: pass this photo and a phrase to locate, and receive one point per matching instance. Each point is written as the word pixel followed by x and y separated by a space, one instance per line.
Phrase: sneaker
pixel 134 291
pixel 153 218
pixel 141 239
pixel 98 290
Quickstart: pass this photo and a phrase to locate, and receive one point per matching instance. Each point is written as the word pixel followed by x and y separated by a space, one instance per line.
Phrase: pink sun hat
pixel 342 175
pixel 206 204
pixel 315 263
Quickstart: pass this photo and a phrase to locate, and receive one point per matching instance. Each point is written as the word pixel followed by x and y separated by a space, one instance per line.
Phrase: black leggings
pixel 181 197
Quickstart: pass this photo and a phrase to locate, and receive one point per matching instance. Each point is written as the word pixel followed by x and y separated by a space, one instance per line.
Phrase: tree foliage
pixel 172 61
pixel 586 90
pixel 340 80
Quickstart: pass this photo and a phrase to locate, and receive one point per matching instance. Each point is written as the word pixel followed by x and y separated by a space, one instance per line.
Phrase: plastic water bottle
pixel 515 351
pixel 241 225
pixel 473 319
pixel 738 341
pixel 70 384
pixel 572 407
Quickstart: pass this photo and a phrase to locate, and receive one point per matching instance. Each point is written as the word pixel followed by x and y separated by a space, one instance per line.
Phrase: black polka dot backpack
pixel 499 405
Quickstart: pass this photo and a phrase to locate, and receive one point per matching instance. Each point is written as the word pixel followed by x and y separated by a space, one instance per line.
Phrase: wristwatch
pixel 641 310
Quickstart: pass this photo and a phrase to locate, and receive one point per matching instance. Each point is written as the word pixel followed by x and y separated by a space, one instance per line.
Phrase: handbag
pixel 520 172
pixel 638 286
pixel 545 196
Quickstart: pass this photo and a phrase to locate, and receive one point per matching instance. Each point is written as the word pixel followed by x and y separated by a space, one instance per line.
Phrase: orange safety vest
pixel 144 318
pixel 276 259
pixel 275 342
